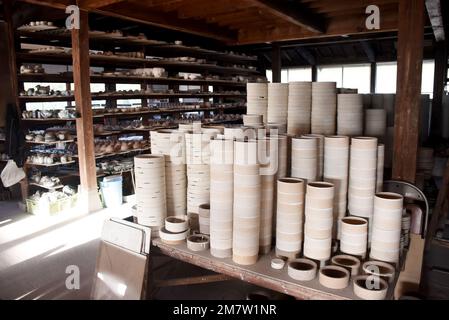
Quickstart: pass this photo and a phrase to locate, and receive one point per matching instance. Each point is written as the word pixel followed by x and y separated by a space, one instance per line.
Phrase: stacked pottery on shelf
pixel 151 207
pixel 299 108
pixel 305 159
pixel 354 236
pixel 324 107
pixel 362 178
pixel 376 123
pixel 277 103
pixel 380 167
pixel 387 226
pixel 319 220
pixel 290 217
pixel 267 158
pixel 426 161
pixel 257 99
pixel 221 197
pixel 336 171
pixel 170 143
pixel 320 158
pixel 247 203
pixel 350 115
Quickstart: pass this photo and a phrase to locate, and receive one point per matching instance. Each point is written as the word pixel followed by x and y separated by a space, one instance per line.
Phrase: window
pixel 292 75
pixel 428 74
pixel 386 77
pixel 331 73
pixel 357 77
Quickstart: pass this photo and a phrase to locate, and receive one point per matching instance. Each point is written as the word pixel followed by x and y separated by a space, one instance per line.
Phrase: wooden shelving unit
pixel 224 71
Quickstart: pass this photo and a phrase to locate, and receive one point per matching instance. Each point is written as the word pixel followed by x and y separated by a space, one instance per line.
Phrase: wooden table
pixel 260 274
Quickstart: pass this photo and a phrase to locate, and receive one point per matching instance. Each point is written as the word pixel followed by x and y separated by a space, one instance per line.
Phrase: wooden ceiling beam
pixel 339 26
pixel 434 11
pixel 295 13
pixel 96 4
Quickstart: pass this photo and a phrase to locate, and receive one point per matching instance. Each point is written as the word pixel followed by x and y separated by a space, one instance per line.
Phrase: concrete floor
pixel 35 252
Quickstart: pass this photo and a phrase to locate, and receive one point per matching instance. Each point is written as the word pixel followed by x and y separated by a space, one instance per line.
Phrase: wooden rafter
pixel 294 13
pixel 434 11
pixel 96 4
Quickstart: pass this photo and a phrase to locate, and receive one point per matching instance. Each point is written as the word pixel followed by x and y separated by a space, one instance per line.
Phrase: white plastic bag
pixel 11 174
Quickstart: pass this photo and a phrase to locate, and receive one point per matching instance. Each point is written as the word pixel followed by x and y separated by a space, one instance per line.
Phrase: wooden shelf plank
pixel 26 99
pixel 127 79
pixel 101 60
pixel 49 165
pixel 260 274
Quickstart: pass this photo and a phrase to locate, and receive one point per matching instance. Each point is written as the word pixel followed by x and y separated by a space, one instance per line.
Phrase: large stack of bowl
pixel 305 159
pixel 324 107
pixel 362 178
pixel 277 103
pixel 299 107
pixel 151 208
pixel 247 203
pixel 336 171
pixel 268 160
pixel 198 171
pixel 170 143
pixel 387 225
pixel 350 115
pixel 320 159
pixel 290 217
pixel 257 99
pixel 221 197
pixel 319 220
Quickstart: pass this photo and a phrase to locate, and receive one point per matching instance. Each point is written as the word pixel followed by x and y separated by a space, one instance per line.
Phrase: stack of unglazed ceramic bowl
pixel 362 177
pixel 247 203
pixel 290 217
pixel 268 158
pixel 320 158
pixel 324 107
pixel 336 171
pixel 319 220
pixel 354 236
pixel 305 159
pixel 350 114
pixel 198 171
pixel 221 197
pixel 283 158
pixel 380 167
pixel 253 120
pixel 170 143
pixel 257 99
pixel 387 226
pixel 376 123
pixel 151 208
pixel 277 103
pixel 299 107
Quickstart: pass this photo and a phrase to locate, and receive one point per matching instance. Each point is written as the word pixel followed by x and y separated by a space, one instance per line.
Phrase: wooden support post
pixel 441 64
pixel 89 198
pixel 373 77
pixel 408 96
pixel 276 64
